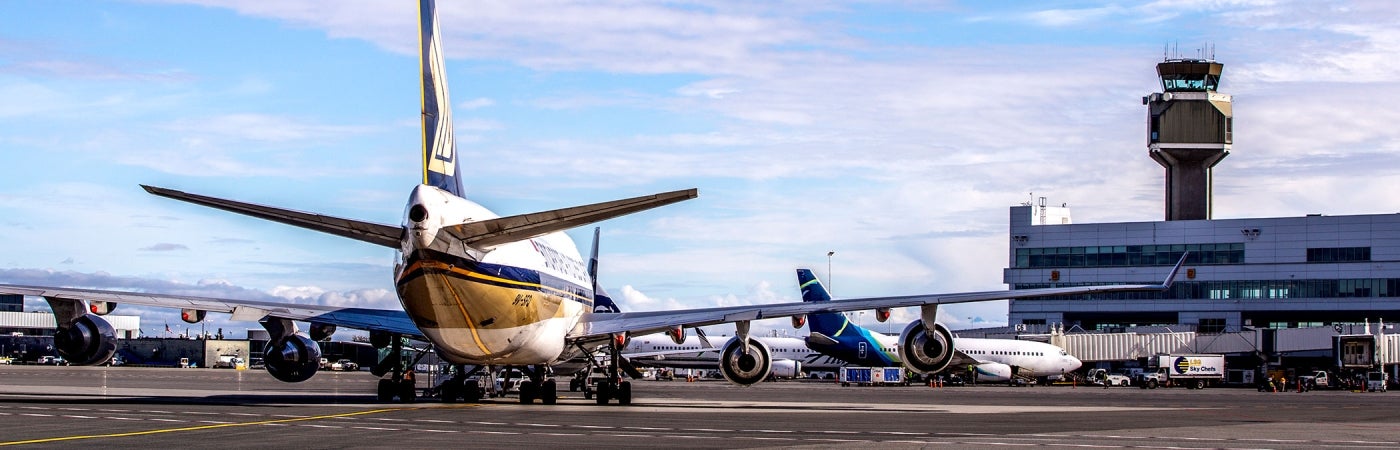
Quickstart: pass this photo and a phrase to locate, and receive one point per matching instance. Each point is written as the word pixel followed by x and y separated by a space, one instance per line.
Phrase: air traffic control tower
pixel 1188 132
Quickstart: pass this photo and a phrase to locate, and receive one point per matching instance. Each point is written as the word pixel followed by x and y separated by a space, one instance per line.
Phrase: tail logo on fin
pixel 439 147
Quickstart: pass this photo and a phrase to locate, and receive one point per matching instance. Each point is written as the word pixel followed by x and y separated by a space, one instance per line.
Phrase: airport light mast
pixel 1189 128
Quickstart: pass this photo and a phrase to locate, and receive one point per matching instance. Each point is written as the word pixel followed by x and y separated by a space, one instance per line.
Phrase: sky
pixel 895 134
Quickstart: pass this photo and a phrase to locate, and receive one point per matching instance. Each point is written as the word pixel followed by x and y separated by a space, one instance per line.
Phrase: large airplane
pixel 993 360
pixel 485 290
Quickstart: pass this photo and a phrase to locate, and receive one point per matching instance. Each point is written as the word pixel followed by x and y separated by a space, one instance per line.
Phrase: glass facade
pixel 12 303
pixel 1339 254
pixel 1129 255
pixel 1243 290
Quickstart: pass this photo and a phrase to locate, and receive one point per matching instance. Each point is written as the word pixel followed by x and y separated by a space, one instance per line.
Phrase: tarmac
pixel 123 407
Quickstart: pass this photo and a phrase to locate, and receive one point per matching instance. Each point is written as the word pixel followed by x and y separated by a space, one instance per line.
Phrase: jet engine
pixel 926 351
pixel 993 372
pixel 87 341
pixel 787 368
pixel 745 368
pixel 293 358
pixel 677 334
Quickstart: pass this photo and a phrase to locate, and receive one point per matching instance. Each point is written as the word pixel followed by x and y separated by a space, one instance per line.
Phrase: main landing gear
pixel 612 386
pixel 539 385
pixel 461 386
pixel 401 384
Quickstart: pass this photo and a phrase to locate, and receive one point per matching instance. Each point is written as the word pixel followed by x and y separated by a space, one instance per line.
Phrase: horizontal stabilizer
pixel 374 233
pixel 493 232
pixel 820 340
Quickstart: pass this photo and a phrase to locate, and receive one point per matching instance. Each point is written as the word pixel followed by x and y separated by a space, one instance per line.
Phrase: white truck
pixel 1193 371
pixel 1317 380
pixel 1103 376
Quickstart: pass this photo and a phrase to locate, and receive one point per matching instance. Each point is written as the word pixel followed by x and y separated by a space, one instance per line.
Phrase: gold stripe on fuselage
pixel 443 297
pixel 476 337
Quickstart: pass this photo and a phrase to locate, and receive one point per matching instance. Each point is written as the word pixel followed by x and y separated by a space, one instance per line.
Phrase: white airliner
pixel 482 290
pixel 993 359
pixel 790 355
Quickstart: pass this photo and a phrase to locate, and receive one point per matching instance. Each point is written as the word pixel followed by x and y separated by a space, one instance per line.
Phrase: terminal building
pixel 1272 294
pixel 1284 272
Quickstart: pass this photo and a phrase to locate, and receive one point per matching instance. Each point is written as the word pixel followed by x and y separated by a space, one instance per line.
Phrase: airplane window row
pixel 993 352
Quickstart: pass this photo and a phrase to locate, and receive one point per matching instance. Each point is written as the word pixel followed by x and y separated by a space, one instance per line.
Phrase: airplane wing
pixel 493 232
pixel 598 325
pixel 358 318
pixel 374 233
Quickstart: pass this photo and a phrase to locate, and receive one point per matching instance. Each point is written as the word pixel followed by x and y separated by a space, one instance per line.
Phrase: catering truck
pixel 1193 371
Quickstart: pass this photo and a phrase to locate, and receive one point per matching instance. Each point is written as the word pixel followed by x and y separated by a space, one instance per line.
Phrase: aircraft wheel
pixel 549 392
pixel 471 391
pixel 449 391
pixel 407 391
pixel 528 389
pixel 602 392
pixel 573 384
pixel 386 390
pixel 624 393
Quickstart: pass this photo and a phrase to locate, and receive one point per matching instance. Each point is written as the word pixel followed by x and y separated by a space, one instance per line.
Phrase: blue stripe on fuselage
pixel 515 277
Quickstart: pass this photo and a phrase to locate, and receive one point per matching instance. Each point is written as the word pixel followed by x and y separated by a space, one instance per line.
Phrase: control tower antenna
pixel 1188 132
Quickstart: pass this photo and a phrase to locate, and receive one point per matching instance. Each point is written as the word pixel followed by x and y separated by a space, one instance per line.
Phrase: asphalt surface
pixel 120 407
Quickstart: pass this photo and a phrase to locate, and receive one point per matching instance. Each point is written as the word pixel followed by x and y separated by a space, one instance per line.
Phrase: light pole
pixel 828 271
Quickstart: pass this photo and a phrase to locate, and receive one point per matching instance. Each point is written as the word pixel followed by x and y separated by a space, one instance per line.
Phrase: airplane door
pixel 861 350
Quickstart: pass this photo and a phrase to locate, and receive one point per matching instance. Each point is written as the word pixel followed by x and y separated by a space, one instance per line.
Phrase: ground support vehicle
pixel 1103 376
pixel 345 365
pixel 871 376
pixel 1317 380
pixel 1193 371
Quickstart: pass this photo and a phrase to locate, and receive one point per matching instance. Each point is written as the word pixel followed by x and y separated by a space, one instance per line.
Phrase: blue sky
pixel 896 134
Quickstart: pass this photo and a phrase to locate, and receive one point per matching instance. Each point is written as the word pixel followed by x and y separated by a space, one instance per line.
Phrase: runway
pixel 43 406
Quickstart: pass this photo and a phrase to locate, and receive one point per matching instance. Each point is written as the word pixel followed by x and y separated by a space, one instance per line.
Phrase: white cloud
pixel 476 103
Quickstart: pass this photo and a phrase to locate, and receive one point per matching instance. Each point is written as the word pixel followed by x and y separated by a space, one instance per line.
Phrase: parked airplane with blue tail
pixel 994 360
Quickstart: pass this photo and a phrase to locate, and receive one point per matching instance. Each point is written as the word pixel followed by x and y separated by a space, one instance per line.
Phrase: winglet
pixel 1171 277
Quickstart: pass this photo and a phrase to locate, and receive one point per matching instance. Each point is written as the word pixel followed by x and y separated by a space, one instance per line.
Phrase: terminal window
pixel 12 303
pixel 1211 326
pixel 1339 254
pixel 1129 255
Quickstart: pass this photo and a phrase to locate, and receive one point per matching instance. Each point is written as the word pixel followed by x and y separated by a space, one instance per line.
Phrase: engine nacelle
pixel 924 351
pixel 745 368
pixel 993 372
pixel 321 331
pixel 101 308
pixel 293 358
pixel 677 334
pixel 882 314
pixel 622 340
pixel 787 368
pixel 379 339
pixel 192 315
pixel 90 340
pixel 799 321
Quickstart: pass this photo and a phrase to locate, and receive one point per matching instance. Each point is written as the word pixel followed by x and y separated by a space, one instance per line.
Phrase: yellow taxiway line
pixel 201 427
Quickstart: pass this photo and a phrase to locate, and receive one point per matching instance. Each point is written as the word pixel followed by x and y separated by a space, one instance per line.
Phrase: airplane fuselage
pixel 510 304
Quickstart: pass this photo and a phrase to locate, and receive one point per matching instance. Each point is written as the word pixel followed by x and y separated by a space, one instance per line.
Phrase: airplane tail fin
pixel 823 326
pixel 439 146
pixel 812 289
pixel 602 302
